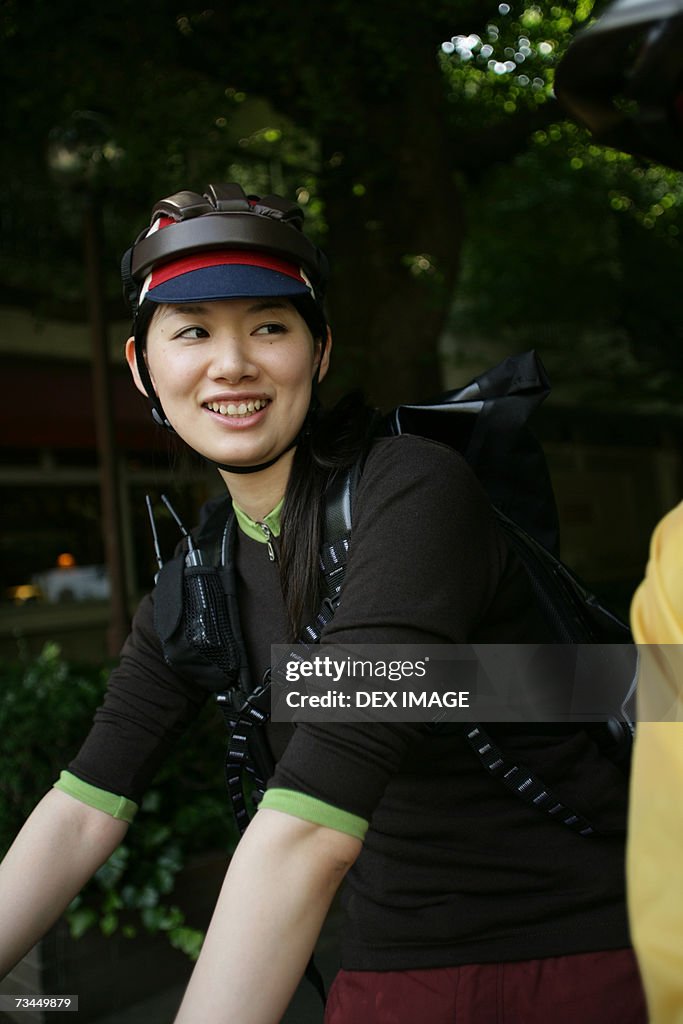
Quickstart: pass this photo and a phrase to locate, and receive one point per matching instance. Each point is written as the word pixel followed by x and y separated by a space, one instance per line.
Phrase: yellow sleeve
pixel 657 623
pixel 655 845
pixel 657 609
pixel 655 842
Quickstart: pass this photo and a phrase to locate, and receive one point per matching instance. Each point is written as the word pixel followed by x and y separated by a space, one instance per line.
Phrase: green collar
pixel 254 528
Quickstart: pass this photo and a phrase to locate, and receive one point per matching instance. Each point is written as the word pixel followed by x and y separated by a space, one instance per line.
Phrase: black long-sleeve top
pixel 454 869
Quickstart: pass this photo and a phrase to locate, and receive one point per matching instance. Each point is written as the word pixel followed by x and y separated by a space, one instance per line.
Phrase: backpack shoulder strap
pixel 334 551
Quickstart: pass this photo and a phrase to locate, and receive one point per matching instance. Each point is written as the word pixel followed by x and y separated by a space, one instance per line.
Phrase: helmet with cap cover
pixel 217 245
pixel 224 220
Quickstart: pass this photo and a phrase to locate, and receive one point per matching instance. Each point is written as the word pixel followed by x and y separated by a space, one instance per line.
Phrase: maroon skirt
pixel 590 988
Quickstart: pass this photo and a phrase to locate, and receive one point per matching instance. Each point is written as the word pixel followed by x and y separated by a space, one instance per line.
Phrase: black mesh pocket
pixel 192 620
pixel 206 619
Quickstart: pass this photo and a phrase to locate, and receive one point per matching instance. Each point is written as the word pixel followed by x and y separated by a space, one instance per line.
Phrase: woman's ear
pixel 131 359
pixel 323 356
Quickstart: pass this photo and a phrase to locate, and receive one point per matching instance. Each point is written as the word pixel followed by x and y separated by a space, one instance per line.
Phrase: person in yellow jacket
pixel 656 809
pixel 634 51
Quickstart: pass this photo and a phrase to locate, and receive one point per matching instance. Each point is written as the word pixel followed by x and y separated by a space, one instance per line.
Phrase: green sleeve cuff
pixel 117 806
pixel 316 811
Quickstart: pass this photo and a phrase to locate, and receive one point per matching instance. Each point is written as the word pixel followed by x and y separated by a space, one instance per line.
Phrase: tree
pixel 385 119
pixel 400 133
pixel 606 310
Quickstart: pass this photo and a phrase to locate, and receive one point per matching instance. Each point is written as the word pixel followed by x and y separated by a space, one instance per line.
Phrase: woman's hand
pixel 277 891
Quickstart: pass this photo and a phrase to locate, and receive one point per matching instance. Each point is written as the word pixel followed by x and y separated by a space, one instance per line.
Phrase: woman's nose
pixel 230 360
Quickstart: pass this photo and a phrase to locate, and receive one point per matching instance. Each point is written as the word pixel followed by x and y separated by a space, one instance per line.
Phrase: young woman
pixel 461 902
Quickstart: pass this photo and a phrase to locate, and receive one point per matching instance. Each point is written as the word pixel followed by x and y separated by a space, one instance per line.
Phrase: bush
pixel 46 706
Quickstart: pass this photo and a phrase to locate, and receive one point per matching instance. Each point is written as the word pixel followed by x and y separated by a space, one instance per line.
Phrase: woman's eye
pixel 192 332
pixel 271 329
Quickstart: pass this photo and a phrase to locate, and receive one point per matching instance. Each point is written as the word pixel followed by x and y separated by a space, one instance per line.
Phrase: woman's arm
pixel 276 894
pixel 59 848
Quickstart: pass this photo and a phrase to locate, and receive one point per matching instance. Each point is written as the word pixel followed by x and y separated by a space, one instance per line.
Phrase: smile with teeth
pixel 238 409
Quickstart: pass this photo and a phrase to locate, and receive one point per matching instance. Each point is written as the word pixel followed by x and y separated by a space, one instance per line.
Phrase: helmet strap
pixel 261 465
pixel 158 414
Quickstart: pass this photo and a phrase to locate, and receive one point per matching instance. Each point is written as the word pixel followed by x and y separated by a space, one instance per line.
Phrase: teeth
pixel 243 409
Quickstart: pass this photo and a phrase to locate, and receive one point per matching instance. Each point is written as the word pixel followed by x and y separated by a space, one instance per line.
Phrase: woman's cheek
pixel 173 373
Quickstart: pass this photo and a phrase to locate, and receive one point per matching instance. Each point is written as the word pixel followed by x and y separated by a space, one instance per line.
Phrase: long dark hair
pixel 333 441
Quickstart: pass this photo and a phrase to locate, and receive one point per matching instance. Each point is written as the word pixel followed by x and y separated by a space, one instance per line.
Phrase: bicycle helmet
pixel 223 244
pixel 623 79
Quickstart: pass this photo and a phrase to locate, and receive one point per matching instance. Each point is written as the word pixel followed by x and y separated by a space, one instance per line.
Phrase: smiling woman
pixel 461 901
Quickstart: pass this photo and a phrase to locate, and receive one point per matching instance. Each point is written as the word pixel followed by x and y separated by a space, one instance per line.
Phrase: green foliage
pixel 387 121
pixel 45 707
pixel 576 249
pixel 45 712
pixel 511 65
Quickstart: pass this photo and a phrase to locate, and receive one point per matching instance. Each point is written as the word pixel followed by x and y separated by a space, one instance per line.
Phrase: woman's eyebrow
pixel 202 309
pixel 266 304
pixel 183 309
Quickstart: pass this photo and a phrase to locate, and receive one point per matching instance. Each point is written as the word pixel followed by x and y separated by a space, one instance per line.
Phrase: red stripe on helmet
pixel 221 258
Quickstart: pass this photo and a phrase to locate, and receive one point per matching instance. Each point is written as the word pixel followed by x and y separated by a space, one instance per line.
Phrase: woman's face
pixel 234 377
